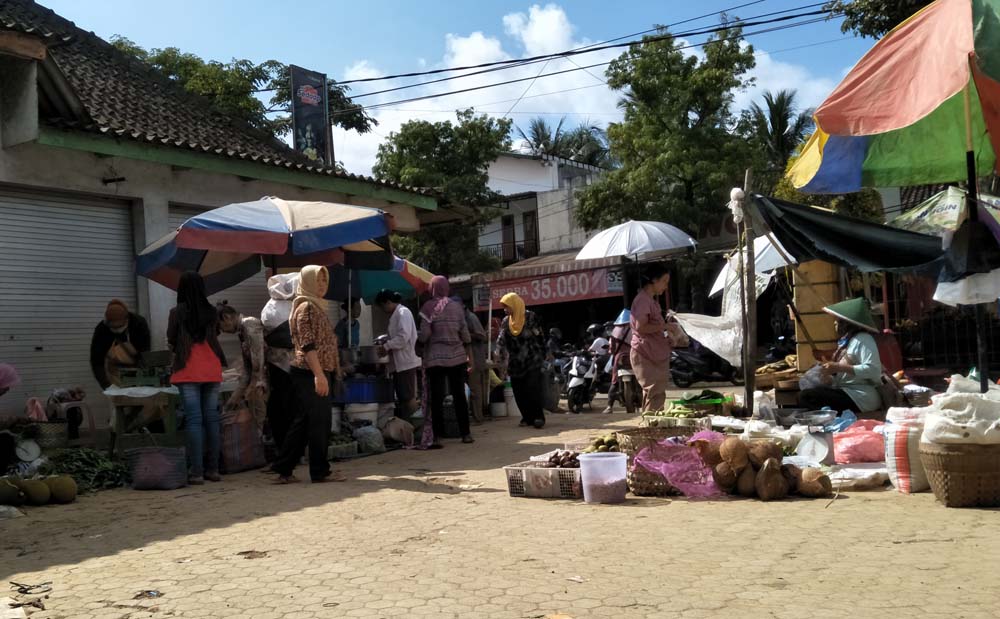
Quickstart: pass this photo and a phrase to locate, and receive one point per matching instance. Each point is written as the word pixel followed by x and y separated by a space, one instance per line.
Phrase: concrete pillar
pixel 155 300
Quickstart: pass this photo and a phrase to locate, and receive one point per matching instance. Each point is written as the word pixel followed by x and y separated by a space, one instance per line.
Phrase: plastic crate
pixel 527 479
pixel 345 450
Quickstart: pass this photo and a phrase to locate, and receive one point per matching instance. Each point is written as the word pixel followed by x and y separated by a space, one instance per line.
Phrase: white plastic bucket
pixel 603 477
pixel 498 409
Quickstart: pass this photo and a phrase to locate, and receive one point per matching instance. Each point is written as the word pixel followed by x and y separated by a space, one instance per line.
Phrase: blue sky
pixel 379 37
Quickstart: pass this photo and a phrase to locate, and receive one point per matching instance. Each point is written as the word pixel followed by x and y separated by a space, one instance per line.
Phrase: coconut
pixel 760 451
pixel 709 452
pixel 10 493
pixel 63 488
pixel 724 476
pixel 745 483
pixel 35 491
pixel 734 453
pixel 793 475
pixel 770 483
pixel 815 483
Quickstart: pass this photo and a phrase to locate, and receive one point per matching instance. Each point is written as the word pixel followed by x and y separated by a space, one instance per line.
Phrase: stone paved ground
pixel 434 534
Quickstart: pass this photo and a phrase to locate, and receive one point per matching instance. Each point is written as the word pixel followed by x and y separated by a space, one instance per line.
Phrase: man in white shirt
pixel 401 346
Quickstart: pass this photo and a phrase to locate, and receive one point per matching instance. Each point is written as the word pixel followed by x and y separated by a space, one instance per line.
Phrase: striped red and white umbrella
pixel 230 244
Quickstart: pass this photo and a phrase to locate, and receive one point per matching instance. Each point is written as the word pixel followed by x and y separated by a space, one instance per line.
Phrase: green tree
pixel 677 146
pixel 778 128
pixel 454 159
pixel 232 88
pixel 874 18
pixel 587 143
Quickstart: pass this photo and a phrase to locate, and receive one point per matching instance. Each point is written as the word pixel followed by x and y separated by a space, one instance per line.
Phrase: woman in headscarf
pixel 522 341
pixel 650 353
pixel 316 364
pixel 279 353
pixel 445 336
pixel 192 333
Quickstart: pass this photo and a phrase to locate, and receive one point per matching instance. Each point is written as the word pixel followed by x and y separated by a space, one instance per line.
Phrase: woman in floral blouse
pixel 523 342
pixel 316 364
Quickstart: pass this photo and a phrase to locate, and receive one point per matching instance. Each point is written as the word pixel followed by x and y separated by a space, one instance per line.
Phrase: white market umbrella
pixel 767 258
pixel 634 238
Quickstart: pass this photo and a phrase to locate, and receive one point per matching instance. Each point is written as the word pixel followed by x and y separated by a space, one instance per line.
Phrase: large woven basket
pixel 630 442
pixel 963 475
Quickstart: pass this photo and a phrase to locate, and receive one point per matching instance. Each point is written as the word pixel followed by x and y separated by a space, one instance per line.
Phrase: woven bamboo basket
pixel 630 442
pixel 963 475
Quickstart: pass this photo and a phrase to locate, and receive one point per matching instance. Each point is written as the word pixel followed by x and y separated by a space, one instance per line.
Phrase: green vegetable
pixel 92 470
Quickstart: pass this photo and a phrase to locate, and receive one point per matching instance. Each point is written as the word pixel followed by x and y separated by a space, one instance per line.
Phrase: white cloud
pixel 578 95
pixel 774 75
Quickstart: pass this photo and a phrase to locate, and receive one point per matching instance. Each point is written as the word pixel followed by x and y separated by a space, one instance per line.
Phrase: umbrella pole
pixel 350 306
pixel 973 205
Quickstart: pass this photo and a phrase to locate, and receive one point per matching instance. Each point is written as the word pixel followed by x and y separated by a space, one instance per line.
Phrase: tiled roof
pixel 124 98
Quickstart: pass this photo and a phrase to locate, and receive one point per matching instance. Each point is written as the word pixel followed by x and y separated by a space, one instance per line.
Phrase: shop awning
pixel 553 278
pixel 810 233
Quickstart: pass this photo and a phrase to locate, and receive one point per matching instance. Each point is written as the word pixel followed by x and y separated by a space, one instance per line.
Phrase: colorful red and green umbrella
pixel 907 113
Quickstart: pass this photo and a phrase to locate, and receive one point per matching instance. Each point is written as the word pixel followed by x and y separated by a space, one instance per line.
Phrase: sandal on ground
pixel 213 477
pixel 539 424
pixel 436 446
pixel 285 480
pixel 523 424
pixel 468 439
pixel 196 481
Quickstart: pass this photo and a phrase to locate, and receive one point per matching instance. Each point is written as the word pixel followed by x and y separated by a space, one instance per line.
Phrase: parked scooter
pixel 582 370
pixel 697 364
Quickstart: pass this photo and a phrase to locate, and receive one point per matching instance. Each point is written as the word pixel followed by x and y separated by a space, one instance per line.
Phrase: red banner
pixel 561 288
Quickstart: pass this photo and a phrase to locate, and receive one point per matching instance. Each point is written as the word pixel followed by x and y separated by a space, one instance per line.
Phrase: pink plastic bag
pixel 681 466
pixel 859 443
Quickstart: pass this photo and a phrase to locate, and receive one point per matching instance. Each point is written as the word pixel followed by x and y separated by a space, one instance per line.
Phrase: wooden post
pixel 750 333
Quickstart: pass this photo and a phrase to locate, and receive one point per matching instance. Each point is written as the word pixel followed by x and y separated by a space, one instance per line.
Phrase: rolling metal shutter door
pixel 61 261
pixel 248 297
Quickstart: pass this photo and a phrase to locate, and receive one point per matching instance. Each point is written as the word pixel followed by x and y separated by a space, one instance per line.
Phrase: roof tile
pixel 121 95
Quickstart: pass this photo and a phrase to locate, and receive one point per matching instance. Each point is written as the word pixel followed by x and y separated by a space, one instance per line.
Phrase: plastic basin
pixel 603 477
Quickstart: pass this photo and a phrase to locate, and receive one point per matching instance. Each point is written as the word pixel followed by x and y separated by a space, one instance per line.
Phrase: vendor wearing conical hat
pixel 856 369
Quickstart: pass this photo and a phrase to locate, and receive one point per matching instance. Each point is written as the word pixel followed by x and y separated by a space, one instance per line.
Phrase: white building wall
pixel 512 175
pixel 492 233
pixel 151 188
pixel 558 230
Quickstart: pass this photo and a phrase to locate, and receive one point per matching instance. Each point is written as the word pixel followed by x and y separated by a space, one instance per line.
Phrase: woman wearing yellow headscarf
pixel 523 342
pixel 316 363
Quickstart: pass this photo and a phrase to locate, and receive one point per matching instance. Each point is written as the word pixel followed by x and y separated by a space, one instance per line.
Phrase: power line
pixel 554 73
pixel 503 65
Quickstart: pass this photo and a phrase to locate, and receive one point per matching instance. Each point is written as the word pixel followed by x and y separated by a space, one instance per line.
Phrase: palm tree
pixel 541 139
pixel 587 143
pixel 780 128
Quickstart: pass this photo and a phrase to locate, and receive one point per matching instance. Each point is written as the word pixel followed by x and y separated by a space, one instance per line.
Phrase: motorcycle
pixel 630 390
pixel 697 364
pixel 579 390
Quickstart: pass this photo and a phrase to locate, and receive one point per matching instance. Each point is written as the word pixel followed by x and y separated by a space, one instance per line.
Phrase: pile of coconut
pixel 754 469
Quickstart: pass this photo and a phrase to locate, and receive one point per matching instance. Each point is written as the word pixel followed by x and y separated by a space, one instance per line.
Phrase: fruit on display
pixel 62 488
pixel 10 493
pixel 734 451
pixel 603 444
pixel 341 439
pixel 760 451
pixel 737 472
pixel 36 491
pixel 724 476
pixel 814 483
pixel 565 460
pixel 771 484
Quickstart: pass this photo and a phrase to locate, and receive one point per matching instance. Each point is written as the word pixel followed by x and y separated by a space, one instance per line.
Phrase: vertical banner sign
pixel 310 115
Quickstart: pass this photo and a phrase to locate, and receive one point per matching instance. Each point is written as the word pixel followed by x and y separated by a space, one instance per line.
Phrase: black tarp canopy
pixel 810 233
